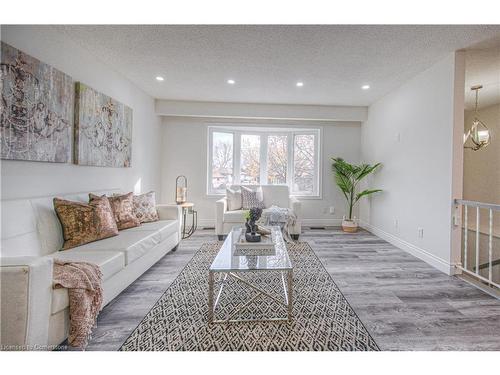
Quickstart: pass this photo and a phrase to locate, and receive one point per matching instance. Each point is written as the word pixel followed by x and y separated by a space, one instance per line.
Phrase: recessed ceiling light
pixel 365 87
pixel 160 78
pixel 299 84
pixel 231 81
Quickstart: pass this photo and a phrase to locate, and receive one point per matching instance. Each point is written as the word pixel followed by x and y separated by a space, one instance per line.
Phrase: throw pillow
pixel 83 223
pixel 250 199
pixel 145 207
pixel 123 210
pixel 233 199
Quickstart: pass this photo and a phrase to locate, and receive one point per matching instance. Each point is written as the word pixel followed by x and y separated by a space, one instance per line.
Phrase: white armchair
pixel 277 195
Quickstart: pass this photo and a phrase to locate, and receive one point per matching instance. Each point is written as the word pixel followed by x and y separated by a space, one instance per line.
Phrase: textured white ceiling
pixel 266 61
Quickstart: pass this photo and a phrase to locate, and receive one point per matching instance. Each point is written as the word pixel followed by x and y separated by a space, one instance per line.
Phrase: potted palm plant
pixel 347 176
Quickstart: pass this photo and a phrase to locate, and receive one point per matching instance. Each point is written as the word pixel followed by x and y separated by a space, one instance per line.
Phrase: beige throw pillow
pixel 145 207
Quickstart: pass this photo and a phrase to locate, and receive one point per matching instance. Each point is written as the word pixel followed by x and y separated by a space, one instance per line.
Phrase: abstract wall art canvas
pixel 103 129
pixel 36 112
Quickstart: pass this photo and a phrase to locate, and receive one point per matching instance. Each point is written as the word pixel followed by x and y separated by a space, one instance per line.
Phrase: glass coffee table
pixel 233 267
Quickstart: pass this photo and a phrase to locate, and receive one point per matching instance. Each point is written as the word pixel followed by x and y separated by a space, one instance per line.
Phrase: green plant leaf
pixel 366 192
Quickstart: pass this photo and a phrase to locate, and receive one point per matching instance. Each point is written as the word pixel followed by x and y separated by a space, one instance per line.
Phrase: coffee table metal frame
pixel 285 272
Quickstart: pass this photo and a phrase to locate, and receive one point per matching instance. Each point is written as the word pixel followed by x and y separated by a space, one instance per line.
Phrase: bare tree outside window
pixel 250 159
pixel 222 160
pixel 303 163
pixel 277 159
pixel 264 156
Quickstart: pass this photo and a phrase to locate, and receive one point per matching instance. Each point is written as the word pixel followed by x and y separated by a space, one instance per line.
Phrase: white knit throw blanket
pixel 279 216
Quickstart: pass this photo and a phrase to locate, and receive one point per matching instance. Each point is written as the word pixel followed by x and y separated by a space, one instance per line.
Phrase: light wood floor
pixel 404 303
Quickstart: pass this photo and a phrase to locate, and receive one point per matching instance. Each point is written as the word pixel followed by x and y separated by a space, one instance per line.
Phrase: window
pixel 303 163
pixel 250 159
pixel 222 161
pixel 277 159
pixel 258 155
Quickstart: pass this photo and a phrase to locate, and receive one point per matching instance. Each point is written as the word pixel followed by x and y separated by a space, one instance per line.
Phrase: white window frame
pixel 237 131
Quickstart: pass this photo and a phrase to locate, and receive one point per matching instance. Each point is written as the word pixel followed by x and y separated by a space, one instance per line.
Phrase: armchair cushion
pixel 234 199
pixel 296 206
pixel 275 195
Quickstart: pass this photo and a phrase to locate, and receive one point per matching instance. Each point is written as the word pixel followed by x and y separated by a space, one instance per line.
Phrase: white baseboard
pixel 416 251
pixel 321 222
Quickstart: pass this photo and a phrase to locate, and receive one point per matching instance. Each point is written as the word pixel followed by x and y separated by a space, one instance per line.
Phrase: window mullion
pixel 210 154
pixel 263 159
pixel 237 157
pixel 289 167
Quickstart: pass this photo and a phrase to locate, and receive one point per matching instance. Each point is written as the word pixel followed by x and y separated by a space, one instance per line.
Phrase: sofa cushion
pixel 133 244
pixel 110 262
pixel 164 228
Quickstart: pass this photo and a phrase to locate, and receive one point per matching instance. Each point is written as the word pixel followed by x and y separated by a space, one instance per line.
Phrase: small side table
pixel 188 209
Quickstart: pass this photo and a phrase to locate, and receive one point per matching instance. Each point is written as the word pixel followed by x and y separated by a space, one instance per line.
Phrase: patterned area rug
pixel 323 319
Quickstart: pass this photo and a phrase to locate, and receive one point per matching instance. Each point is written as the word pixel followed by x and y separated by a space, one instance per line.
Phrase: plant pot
pixel 349 226
pixel 252 237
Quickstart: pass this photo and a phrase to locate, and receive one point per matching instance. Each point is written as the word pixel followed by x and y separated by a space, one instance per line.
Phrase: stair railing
pixel 464 265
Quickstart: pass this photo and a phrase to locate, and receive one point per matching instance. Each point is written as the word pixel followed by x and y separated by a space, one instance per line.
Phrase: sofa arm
pixel 170 212
pixel 25 302
pixel 296 206
pixel 220 208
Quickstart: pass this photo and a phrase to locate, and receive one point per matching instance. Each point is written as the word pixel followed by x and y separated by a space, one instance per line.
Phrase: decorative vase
pixel 349 226
pixel 251 234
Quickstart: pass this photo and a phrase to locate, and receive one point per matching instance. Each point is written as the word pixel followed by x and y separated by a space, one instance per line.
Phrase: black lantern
pixel 181 184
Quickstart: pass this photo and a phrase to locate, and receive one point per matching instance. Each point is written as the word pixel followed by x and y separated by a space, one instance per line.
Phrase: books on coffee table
pixel 266 247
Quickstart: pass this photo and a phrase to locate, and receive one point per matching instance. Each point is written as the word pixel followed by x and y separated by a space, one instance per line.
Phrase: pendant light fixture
pixel 478 135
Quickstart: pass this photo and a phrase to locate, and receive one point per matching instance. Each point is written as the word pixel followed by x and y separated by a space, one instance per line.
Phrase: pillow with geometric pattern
pixel 250 199
pixel 145 207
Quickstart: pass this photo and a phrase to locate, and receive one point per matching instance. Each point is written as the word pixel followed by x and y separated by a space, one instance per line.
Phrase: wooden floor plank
pixel 404 303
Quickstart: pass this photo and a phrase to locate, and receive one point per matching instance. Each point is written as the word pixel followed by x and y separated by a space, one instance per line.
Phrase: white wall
pixel 412 132
pixel 179 108
pixel 23 179
pixel 185 152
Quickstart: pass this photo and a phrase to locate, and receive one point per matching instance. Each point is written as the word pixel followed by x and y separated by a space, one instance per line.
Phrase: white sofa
pixel 34 316
pixel 277 195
